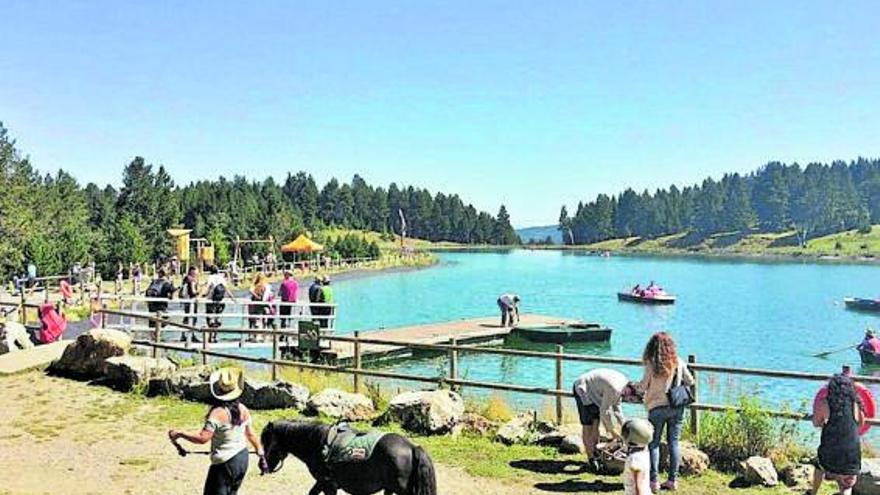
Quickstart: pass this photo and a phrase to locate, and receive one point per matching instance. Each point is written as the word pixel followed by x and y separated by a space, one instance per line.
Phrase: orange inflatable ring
pixel 867 400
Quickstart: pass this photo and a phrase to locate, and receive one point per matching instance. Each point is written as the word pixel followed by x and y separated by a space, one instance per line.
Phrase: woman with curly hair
pixel 840 415
pixel 663 369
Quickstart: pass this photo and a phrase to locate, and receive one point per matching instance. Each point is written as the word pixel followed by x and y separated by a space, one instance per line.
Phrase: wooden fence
pixel 560 391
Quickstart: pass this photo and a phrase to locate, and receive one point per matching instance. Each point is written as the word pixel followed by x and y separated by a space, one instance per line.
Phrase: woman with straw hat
pixel 228 426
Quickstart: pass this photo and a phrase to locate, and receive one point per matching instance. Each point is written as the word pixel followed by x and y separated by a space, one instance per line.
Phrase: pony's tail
pixel 422 480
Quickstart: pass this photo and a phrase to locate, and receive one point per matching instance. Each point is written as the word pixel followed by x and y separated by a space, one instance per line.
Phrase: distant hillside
pixel 539 234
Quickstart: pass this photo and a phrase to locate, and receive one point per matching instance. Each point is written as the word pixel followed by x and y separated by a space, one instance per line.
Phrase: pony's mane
pixel 300 433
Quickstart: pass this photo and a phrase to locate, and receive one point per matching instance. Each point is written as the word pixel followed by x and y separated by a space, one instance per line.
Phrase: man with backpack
pixel 160 288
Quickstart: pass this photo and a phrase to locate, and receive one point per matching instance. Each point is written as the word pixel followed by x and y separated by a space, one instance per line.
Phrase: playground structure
pixel 237 259
pixel 183 247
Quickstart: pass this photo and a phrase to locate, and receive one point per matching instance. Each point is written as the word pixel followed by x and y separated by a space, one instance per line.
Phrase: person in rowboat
pixel 870 343
pixel 598 395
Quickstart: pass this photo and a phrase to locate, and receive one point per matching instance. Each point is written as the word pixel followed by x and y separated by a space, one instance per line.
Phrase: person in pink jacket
pixel 287 292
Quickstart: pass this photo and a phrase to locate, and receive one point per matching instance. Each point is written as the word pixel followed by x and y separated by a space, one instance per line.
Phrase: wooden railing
pixel 452 379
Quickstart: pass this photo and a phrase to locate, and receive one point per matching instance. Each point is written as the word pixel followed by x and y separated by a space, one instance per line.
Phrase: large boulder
pixel 758 471
pixel 517 430
pixel 572 444
pixel 475 425
pixel 86 357
pixel 275 395
pixel 176 383
pixel 426 412
pixel 869 479
pixel 546 433
pixel 693 460
pixel 127 372
pixel 198 392
pixel 335 403
pixel 797 475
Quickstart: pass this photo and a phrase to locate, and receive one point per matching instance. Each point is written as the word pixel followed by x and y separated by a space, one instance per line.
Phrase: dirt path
pixel 62 436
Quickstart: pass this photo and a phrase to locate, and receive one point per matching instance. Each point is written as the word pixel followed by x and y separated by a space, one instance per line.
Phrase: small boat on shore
pixel 563 332
pixel 862 304
pixel 646 299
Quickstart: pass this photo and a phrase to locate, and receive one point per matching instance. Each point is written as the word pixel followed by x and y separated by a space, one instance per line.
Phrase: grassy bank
pixel 542 467
pixel 847 246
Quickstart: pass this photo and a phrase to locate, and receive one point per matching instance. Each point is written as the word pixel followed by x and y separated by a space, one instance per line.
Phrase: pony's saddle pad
pixel 345 444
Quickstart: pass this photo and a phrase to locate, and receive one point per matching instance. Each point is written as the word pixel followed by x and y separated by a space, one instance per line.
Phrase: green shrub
pixel 733 436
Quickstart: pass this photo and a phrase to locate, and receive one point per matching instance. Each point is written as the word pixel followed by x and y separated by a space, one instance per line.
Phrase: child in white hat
pixel 637 433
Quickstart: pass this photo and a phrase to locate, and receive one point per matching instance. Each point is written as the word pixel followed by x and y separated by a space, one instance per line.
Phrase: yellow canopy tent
pixel 302 244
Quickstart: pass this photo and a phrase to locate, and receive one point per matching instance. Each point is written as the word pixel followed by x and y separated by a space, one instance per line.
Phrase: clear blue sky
pixel 529 104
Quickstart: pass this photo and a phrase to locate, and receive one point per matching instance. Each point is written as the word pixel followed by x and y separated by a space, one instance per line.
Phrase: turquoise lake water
pixel 753 314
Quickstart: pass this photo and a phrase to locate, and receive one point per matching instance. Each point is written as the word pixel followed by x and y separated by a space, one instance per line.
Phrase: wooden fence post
pixel 23 315
pixel 357 362
pixel 103 315
pixel 157 333
pixel 205 335
pixel 453 362
pixel 559 352
pixel 695 415
pixel 274 353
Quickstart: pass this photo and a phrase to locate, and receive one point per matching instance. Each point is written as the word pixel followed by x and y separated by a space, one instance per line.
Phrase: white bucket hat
pixel 227 384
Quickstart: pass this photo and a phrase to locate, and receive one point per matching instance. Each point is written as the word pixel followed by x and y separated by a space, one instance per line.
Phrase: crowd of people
pixel 266 307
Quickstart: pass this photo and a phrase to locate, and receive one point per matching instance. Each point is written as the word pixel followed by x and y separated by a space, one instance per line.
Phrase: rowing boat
pixel 861 304
pixel 563 332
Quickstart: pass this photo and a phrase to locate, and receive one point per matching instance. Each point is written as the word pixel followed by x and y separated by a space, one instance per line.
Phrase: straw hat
pixel 638 431
pixel 227 384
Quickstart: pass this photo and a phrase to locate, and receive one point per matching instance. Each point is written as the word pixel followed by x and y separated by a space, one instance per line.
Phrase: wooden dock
pixel 467 331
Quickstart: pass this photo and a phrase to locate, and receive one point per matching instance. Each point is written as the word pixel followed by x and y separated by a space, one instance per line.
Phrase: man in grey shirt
pixel 598 395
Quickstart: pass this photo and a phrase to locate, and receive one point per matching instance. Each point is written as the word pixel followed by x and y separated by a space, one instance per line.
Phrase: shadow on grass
pixel 578 486
pixel 546 466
